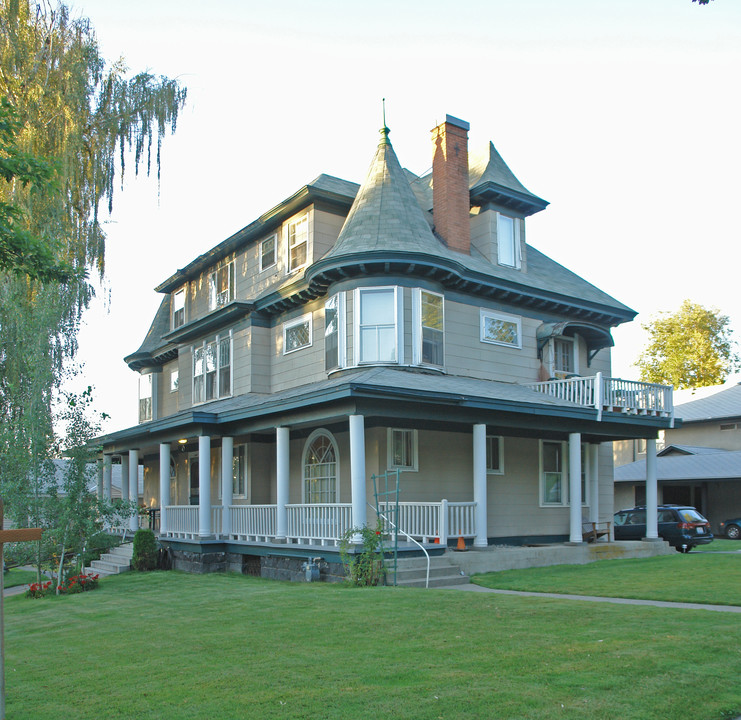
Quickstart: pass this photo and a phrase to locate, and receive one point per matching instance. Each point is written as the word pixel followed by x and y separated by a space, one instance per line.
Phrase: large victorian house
pixel 404 324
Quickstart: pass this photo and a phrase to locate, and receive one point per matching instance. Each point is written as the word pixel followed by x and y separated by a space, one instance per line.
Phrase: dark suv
pixel 681 526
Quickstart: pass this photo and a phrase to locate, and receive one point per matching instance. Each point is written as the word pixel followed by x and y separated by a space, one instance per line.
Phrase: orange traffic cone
pixel 461 543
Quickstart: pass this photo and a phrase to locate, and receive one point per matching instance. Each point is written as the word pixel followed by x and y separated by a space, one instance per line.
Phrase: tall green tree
pixel 87 119
pixel 689 348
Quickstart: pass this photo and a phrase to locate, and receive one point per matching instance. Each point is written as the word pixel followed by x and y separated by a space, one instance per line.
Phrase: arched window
pixel 320 468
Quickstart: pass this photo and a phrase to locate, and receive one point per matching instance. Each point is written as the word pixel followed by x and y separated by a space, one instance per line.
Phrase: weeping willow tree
pixel 77 120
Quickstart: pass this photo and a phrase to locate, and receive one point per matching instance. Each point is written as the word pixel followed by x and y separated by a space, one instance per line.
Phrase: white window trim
pixel 500 470
pixel 147 379
pixel 341 330
pixel 216 340
pixel 565 476
pixel 414 467
pixel 273 237
pixel 290 270
pixel 231 291
pixel 398 318
pixel 307 445
pixel 574 355
pixel 517 241
pixel 303 320
pixel 417 327
pixel 485 314
pixel 174 310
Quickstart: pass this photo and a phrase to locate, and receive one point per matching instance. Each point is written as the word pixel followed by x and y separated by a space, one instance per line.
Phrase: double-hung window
pixel 334 332
pixel 221 286
pixel 402 450
pixel 297 334
pixel 239 471
pixel 377 311
pixel 563 356
pixel 298 241
pixel 429 328
pixel 500 329
pixel 178 309
pixel 552 464
pixel 268 252
pixel 508 241
pixel 212 369
pixel 494 455
pixel 145 398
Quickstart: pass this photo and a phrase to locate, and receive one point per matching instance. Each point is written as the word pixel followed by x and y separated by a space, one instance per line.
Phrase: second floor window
pixel 268 252
pixel 221 286
pixel 178 309
pixel 298 240
pixel 145 398
pixel 212 370
pixel 500 329
pixel 334 332
pixel 297 334
pixel 377 325
pixel 430 326
pixel 563 356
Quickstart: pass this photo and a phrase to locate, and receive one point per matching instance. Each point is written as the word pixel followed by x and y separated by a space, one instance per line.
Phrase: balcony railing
pixel 606 394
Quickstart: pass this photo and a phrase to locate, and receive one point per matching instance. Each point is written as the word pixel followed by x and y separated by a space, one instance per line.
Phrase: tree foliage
pixel 73 124
pixel 689 348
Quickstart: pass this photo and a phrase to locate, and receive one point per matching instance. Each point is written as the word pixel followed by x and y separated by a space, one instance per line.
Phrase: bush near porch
pixel 237 647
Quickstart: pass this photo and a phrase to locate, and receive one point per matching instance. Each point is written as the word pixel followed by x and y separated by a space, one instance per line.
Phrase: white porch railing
pixel 611 394
pixel 322 523
pixel 253 522
pixel 435 521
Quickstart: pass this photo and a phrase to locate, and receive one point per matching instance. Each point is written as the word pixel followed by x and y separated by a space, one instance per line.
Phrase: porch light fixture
pixel 182 441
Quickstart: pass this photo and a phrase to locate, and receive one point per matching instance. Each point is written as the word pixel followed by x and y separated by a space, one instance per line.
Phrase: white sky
pixel 624 114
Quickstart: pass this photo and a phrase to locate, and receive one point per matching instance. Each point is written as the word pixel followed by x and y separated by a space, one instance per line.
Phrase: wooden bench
pixel 593 531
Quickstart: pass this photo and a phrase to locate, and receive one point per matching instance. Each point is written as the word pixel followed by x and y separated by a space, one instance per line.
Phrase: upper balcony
pixel 606 394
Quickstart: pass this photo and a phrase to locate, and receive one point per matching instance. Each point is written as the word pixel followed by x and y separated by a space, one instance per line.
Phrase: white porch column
pixel 107 475
pixel 479 485
pixel 125 477
pixel 593 483
pixel 652 527
pixel 357 472
pixel 204 486
pixel 227 484
pixel 164 485
pixel 134 487
pixel 575 527
pixel 282 462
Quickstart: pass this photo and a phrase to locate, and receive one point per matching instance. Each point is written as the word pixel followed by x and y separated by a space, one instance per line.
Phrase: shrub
pixel 38 590
pixel 78 583
pixel 365 568
pixel 145 551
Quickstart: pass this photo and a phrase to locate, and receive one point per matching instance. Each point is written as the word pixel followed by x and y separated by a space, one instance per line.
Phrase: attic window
pixel 221 286
pixel 508 241
pixel 267 252
pixel 729 426
pixel 178 309
pixel 298 240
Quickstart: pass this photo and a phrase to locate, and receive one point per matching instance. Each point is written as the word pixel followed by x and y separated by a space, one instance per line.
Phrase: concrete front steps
pixel 116 561
pixel 411 572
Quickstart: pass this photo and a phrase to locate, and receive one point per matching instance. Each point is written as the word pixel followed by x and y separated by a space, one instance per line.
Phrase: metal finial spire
pixel 384 130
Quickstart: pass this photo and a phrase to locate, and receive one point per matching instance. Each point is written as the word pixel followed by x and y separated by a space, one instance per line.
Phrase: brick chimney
pixel 450 197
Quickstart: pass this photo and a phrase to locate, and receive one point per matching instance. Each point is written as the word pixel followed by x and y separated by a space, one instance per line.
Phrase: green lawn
pixel 176 646
pixel 720 545
pixel 693 577
pixel 18 576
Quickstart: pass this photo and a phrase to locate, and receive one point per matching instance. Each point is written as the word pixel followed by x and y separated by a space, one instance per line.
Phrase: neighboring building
pixel 701 463
pixel 403 324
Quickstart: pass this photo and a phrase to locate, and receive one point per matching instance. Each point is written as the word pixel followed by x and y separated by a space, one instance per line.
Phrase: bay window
pixel 334 332
pixel 428 328
pixel 376 326
pixel 212 369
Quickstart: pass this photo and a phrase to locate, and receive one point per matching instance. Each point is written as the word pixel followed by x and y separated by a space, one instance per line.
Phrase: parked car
pixel 681 526
pixel 731 528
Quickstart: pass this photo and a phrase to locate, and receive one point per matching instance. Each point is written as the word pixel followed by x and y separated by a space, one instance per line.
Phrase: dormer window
pixel 268 252
pixel 221 286
pixel 178 309
pixel 508 241
pixel 298 240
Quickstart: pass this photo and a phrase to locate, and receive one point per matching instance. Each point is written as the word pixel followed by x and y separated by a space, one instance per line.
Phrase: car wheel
pixel 733 532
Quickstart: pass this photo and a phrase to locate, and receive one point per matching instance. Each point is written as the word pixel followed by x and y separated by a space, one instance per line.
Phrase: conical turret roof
pixel 385 215
pixel 491 179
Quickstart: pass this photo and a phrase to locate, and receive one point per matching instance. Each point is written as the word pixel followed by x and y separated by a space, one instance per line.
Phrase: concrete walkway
pixel 595 598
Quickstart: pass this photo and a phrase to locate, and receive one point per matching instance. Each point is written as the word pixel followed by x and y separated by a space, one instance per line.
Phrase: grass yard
pixel 720 544
pixel 694 577
pixel 18 576
pixel 182 647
